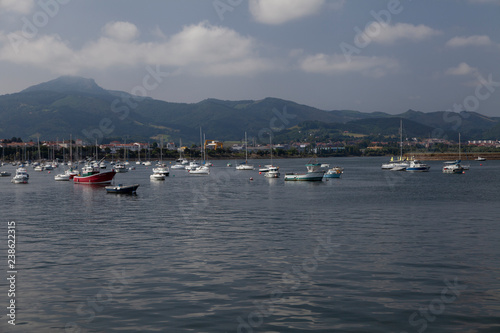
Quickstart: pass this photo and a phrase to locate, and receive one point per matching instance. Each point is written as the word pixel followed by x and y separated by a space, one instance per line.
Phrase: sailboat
pixel 245 165
pixel 201 169
pixel 161 168
pixel 400 164
pixel 181 162
pixel 454 166
pixel 272 171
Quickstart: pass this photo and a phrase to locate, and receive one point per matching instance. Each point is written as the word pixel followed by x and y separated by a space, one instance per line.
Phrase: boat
pixel 177 167
pixel 265 168
pixel 229 164
pixel 399 164
pixel 161 169
pixel 192 165
pixel 102 165
pixel 479 158
pixel 120 168
pixel 201 170
pixel 92 175
pixel 21 176
pixel 38 168
pixel 157 176
pixel 245 165
pixel 122 189
pixel 314 173
pixel 334 172
pixel 272 172
pixel 417 166
pixel 453 167
pixel 4 174
pixel 62 177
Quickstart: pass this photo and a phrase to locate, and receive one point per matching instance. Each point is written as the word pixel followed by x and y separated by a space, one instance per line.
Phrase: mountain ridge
pixel 79 106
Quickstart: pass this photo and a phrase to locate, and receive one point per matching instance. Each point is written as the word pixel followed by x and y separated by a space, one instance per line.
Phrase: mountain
pixel 69 84
pixel 78 106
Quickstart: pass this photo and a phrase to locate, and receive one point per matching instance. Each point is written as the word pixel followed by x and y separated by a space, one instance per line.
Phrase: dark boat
pixel 122 188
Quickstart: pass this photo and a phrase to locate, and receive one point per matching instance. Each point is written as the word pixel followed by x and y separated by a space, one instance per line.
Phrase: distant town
pixel 15 149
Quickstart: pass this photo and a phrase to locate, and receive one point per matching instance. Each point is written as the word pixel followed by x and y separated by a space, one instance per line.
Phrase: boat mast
pixel 459 149
pixel 271 146
pixel 401 139
pixel 246 149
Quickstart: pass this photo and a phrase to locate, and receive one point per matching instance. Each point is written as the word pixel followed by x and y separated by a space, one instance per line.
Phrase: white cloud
pixel 384 33
pixel 281 11
pixel 123 31
pixel 475 40
pixel 198 49
pixel 17 6
pixel 336 64
pixel 461 69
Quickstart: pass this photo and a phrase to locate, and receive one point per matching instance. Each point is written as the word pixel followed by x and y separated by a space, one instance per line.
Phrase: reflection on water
pixel 223 252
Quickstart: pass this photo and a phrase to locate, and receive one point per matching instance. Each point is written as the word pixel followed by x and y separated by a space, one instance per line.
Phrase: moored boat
pixel 453 167
pixel 121 189
pixel 21 176
pixel 272 172
pixel 314 173
pixel 92 175
pixel 334 172
pixel 417 166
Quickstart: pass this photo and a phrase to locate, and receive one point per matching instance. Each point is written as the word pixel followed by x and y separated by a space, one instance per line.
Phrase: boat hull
pixel 311 177
pixel 120 189
pixel 98 178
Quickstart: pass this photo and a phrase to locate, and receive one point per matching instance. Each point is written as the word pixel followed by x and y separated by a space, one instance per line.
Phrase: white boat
pixel 21 176
pixel 314 173
pixel 399 164
pixel 177 167
pixel 102 165
pixel 265 168
pixel 157 176
pixel 272 172
pixel 62 177
pixel 334 172
pixel 192 165
pixel 453 167
pixel 147 163
pixel 38 168
pixel 120 168
pixel 417 166
pixel 161 169
pixel 201 170
pixel 245 165
pixel 479 158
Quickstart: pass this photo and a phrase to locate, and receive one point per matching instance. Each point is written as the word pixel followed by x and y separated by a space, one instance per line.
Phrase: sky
pixel 388 56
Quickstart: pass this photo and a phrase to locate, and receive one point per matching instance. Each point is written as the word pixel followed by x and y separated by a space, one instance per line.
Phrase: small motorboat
pixel 122 189
pixel 4 174
pixel 479 158
pixel 334 172
pixel 157 176
pixel 62 177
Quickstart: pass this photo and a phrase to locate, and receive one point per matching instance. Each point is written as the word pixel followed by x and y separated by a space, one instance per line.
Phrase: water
pixel 374 251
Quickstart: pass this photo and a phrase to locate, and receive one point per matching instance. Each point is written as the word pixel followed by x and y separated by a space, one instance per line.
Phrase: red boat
pixel 93 175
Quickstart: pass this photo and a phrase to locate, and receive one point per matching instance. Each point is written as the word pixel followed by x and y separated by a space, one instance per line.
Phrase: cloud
pixel 475 40
pixel 336 64
pixel 16 6
pixel 461 69
pixel 383 33
pixel 281 11
pixel 123 31
pixel 198 49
